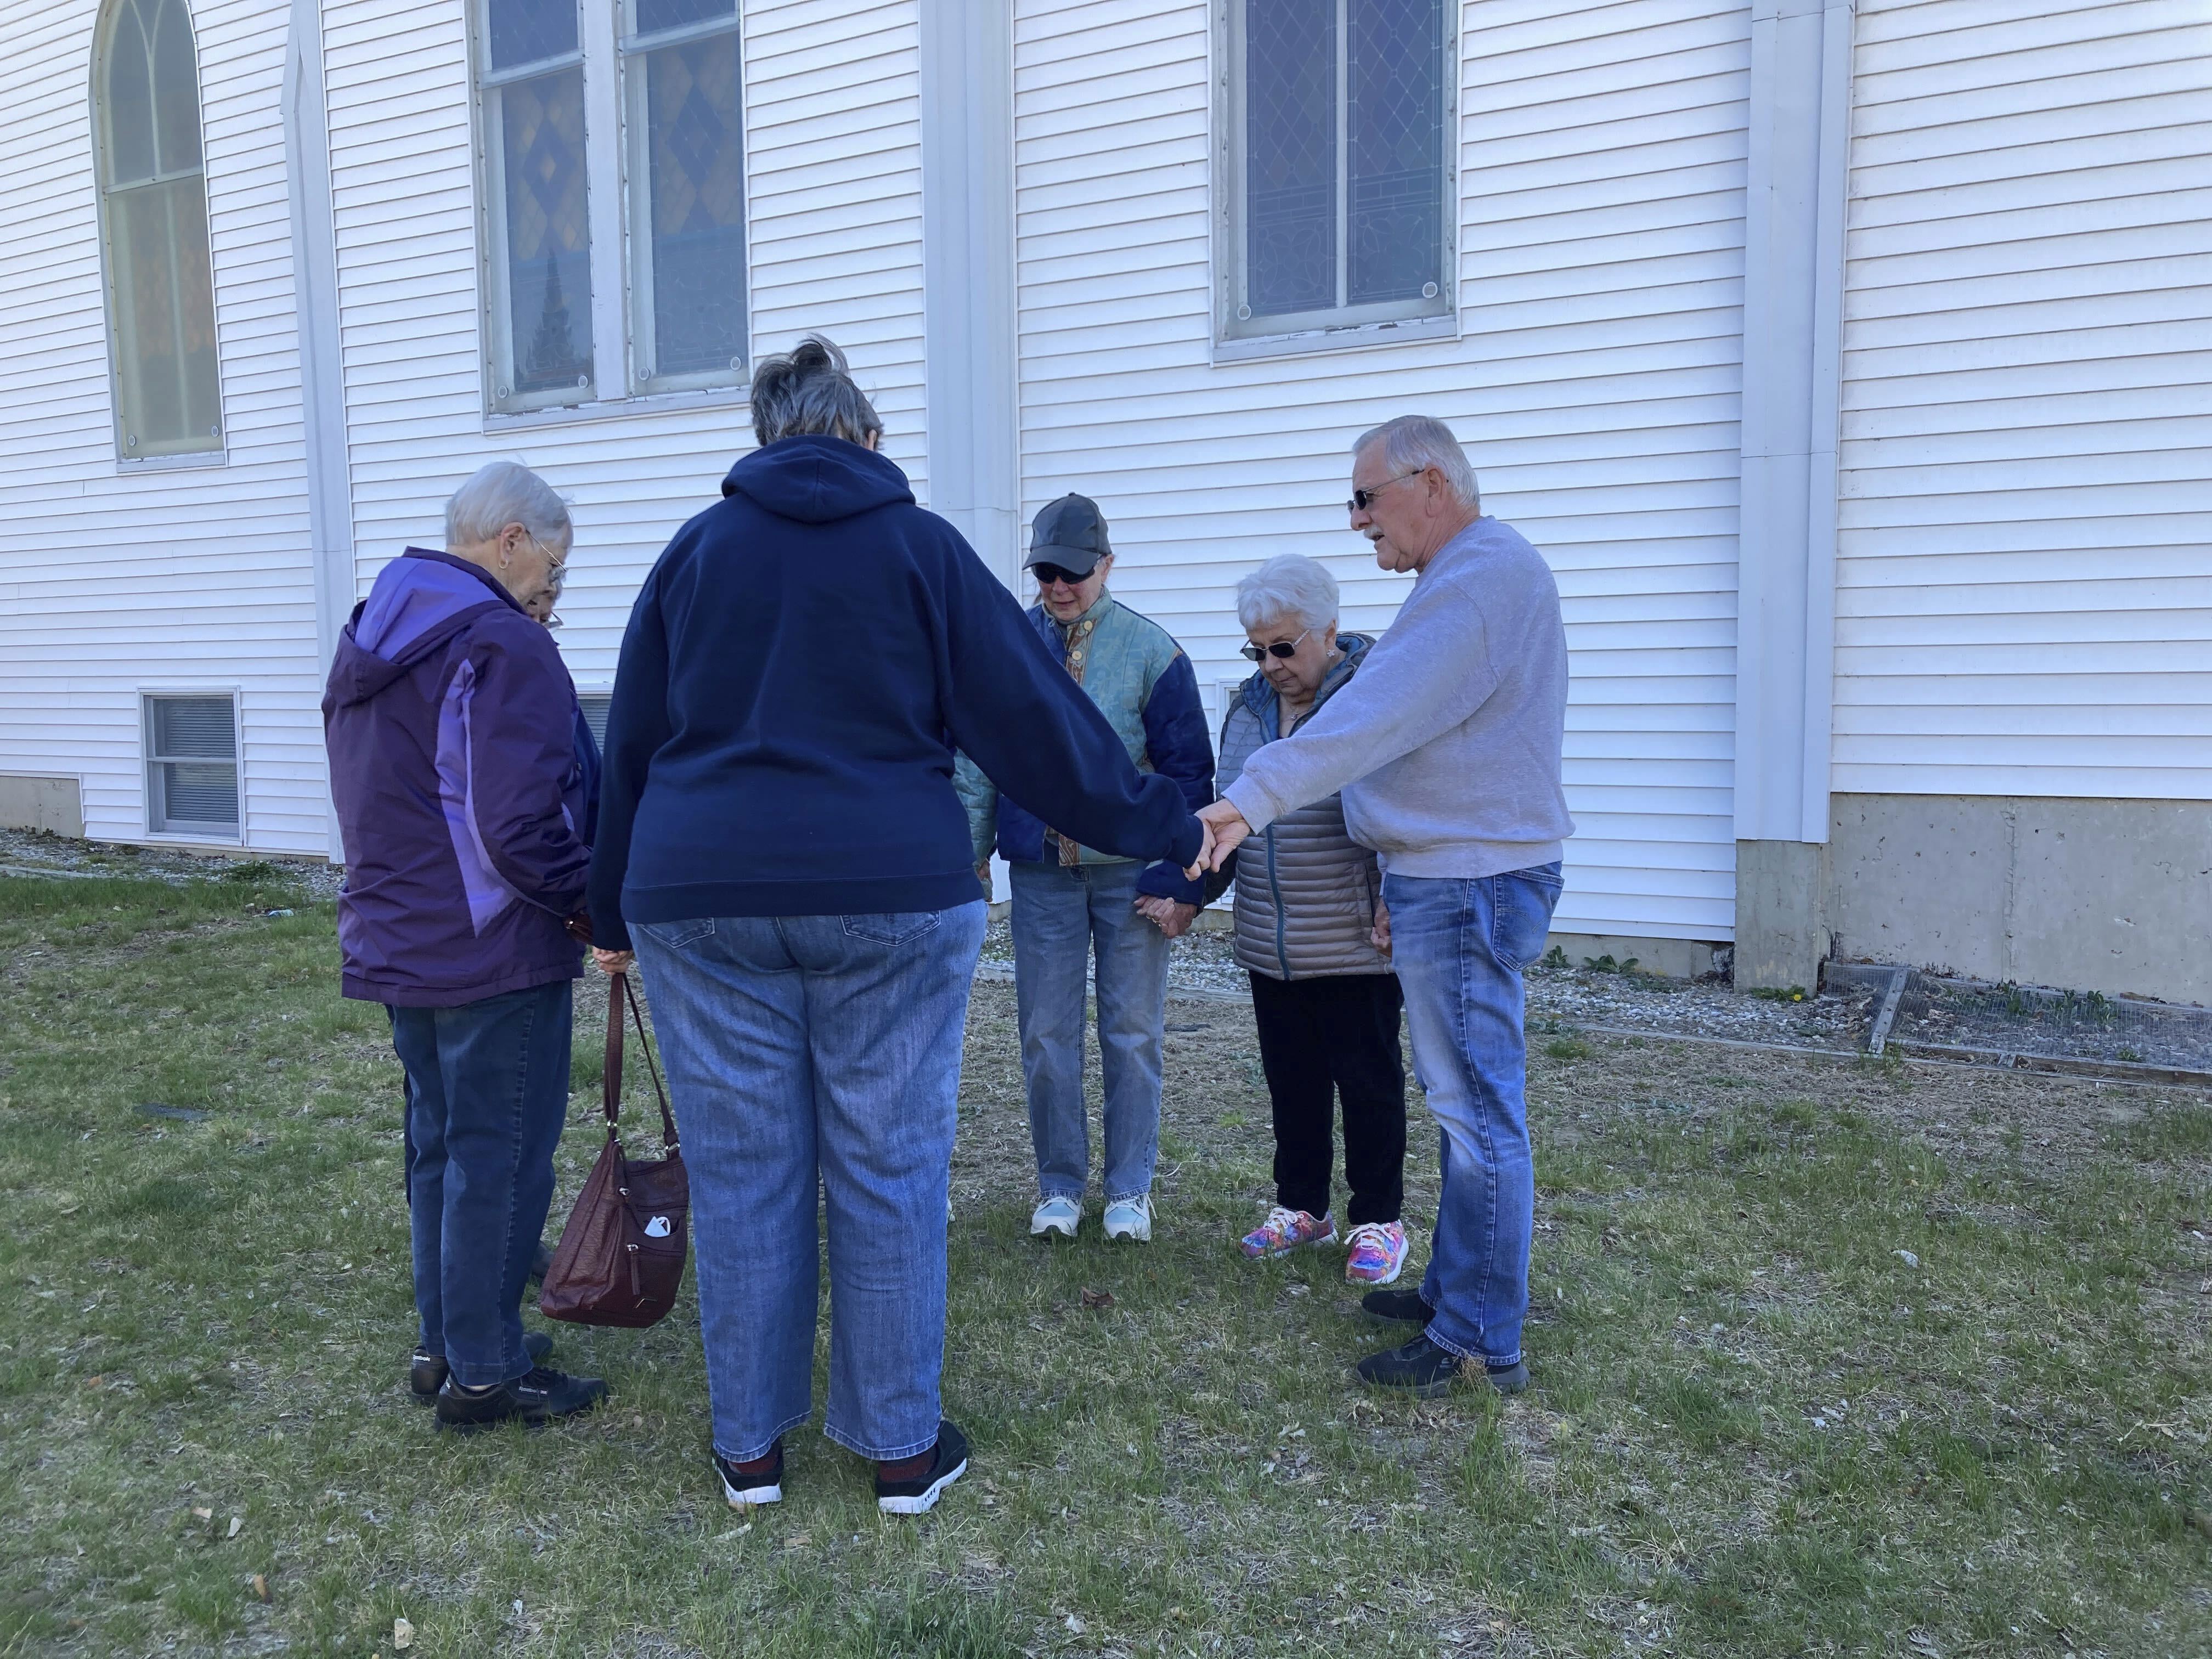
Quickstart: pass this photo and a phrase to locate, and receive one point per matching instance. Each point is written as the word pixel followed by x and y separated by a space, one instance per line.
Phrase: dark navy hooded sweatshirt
pixel 799 667
pixel 462 772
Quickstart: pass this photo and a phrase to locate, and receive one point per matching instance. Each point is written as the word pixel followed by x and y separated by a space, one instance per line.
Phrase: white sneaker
pixel 1130 1219
pixel 1058 1214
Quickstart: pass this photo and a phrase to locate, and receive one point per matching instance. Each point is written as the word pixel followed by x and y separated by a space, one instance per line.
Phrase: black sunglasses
pixel 1280 648
pixel 1050 574
pixel 1363 499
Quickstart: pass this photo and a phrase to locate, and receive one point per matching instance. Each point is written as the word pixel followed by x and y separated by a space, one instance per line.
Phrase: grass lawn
pixel 1756 1427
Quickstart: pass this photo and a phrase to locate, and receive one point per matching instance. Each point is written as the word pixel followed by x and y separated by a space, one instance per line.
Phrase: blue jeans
pixel 486 1092
pixel 1060 916
pixel 806 1054
pixel 1460 947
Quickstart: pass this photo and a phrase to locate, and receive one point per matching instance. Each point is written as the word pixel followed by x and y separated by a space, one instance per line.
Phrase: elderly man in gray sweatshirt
pixel 1446 749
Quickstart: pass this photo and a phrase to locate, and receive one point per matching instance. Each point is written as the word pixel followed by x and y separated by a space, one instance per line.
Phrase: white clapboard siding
pixel 2024 600
pixel 1602 156
pixel 173 579
pixel 834 173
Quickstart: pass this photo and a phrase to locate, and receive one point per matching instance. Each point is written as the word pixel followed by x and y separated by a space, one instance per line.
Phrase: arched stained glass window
pixel 154 223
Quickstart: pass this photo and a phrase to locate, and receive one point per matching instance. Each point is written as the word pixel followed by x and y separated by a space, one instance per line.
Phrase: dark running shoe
pixel 533 1400
pixel 1428 1372
pixel 918 1494
pixel 1397 1307
pixel 426 1372
pixel 541 1263
pixel 760 1481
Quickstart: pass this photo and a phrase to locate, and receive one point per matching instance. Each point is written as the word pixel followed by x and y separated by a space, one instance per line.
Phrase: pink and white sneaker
pixel 1284 1231
pixel 1375 1253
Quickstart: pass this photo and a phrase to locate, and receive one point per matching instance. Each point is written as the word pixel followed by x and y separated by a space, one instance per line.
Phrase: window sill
pixel 615 408
pixel 1314 341
pixel 186 841
pixel 127 464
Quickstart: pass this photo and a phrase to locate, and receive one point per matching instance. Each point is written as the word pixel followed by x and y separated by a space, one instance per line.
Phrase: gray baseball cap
pixel 1070 532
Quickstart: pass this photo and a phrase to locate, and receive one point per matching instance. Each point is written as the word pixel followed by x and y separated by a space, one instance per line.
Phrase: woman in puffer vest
pixel 1313 934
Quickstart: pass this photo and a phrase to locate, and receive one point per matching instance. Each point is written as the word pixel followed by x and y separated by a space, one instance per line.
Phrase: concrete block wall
pixel 2111 896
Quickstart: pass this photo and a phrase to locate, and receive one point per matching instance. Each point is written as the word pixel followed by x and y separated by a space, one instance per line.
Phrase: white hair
pixel 1413 443
pixel 502 493
pixel 1289 585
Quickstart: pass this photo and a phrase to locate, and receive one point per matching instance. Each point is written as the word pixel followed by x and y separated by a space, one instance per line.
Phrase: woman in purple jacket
pixel 464 799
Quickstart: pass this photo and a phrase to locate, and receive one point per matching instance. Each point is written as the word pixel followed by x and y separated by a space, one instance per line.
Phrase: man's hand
pixel 1226 828
pixel 1197 867
pixel 1380 934
pixel 983 875
pixel 1172 916
pixel 612 962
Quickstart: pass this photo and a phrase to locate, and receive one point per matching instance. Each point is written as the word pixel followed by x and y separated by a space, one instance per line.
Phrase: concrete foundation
pixel 1781 915
pixel 54 805
pixel 2111 896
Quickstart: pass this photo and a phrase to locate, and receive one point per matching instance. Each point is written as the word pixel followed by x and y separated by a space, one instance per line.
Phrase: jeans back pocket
pixel 675 935
pixel 1520 906
pixel 893 926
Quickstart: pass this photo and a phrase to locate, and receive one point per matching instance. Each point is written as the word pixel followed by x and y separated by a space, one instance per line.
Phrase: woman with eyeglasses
pixel 1312 931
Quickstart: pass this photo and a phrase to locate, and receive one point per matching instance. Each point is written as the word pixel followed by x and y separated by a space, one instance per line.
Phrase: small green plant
pixel 1776 994
pixel 1567 1049
pixel 1795 1114
pixel 1606 964
pixel 2133 1056
pixel 252 871
pixel 1555 957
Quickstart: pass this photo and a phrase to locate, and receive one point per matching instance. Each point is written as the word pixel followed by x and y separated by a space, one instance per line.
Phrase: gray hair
pixel 1413 443
pixel 1289 585
pixel 810 388
pixel 502 493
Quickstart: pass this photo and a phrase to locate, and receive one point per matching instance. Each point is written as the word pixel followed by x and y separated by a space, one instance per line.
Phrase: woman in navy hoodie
pixel 780 841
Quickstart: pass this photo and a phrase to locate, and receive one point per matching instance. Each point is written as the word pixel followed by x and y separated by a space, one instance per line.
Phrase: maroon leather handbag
pixel 621 1256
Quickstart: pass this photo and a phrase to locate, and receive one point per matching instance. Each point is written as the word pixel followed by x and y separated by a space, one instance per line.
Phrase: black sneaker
pixel 533 1399
pixel 746 1487
pixel 426 1372
pixel 1397 1307
pixel 918 1494
pixel 1427 1372
pixel 541 1263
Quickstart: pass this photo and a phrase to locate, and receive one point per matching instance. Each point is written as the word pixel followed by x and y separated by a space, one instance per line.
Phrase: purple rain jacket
pixel 462 793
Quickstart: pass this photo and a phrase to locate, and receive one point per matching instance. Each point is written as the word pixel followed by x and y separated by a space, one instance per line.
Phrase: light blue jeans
pixel 1459 948
pixel 1059 917
pixel 806 1049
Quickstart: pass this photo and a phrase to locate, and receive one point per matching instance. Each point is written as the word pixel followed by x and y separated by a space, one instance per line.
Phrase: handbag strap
pixel 620 992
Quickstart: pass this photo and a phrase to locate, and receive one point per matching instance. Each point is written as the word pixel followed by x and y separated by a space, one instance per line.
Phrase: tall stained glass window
pixel 154 223
pixel 538 249
pixel 681 76
pixel 1337 172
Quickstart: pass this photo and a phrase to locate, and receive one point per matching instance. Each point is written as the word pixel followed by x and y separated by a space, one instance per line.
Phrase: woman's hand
pixel 1172 916
pixel 1380 934
pixel 612 962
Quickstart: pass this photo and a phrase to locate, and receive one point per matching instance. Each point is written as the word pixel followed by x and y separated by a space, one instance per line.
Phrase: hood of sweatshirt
pixel 420 600
pixel 817 479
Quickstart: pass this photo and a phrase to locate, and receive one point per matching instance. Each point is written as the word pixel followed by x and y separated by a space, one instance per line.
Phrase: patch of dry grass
pixel 1755 1428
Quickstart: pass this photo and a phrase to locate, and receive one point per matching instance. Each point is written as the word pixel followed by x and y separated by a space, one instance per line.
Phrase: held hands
pixel 1225 829
pixel 1172 916
pixel 1380 934
pixel 1197 867
pixel 612 962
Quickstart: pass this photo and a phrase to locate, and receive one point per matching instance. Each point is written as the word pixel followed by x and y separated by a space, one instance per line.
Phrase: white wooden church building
pixel 1851 364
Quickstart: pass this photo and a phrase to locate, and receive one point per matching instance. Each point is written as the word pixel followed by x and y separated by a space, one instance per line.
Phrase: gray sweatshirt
pixel 1447 744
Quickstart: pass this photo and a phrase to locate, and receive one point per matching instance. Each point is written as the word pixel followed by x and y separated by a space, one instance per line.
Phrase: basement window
pixel 191 766
pixel 595 705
